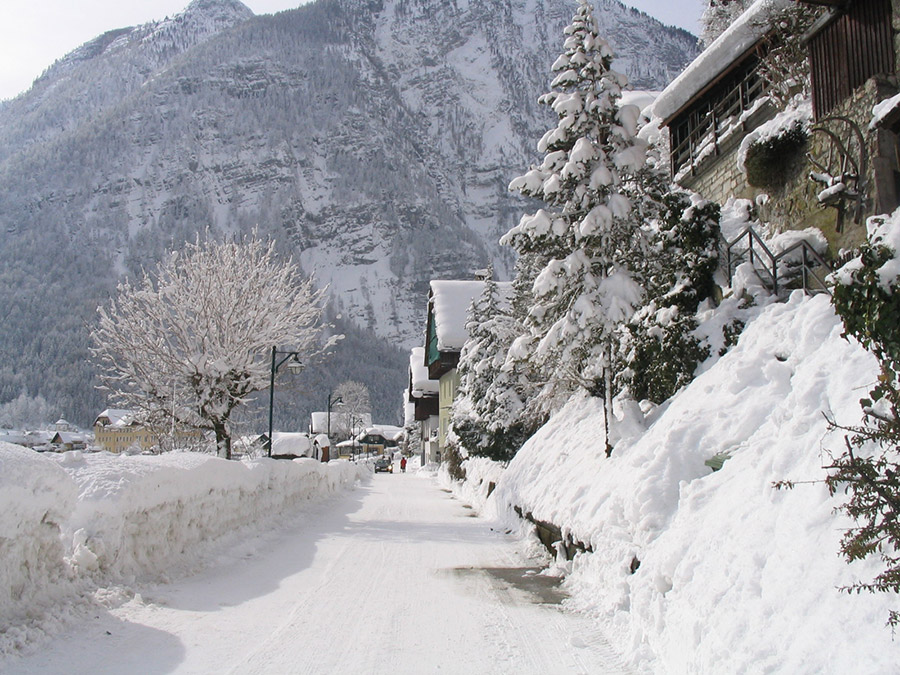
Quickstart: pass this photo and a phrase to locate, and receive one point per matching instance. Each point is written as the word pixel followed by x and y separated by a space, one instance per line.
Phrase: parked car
pixel 384 464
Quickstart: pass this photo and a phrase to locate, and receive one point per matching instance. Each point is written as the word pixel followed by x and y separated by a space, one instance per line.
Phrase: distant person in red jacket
pixel 403 464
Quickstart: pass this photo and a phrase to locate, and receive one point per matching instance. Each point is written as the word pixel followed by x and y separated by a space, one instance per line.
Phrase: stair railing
pixel 766 264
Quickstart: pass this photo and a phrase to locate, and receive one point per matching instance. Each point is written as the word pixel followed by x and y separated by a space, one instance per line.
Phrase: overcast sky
pixel 34 33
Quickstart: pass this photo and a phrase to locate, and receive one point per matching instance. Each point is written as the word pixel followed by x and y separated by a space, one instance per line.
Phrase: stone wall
pixel 794 204
pixel 717 176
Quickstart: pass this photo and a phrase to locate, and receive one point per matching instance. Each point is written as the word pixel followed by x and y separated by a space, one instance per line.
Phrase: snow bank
pixel 481 474
pixel 72 523
pixel 36 497
pixel 734 575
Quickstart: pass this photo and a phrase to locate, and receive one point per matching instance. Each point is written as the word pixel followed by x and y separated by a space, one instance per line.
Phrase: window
pixel 698 128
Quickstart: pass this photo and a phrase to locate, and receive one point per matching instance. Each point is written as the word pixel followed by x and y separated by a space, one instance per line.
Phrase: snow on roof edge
pixel 451 300
pixel 743 34
pixel 421 384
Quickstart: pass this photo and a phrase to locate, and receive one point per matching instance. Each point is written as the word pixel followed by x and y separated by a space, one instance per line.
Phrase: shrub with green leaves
pixel 867 298
pixel 770 162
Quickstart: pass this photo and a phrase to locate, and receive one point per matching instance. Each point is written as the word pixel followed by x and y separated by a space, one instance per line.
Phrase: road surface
pixel 394 577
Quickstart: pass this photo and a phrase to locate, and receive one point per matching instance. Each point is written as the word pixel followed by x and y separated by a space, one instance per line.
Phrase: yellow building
pixel 117 431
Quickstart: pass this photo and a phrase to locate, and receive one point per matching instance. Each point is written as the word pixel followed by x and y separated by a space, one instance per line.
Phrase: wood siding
pixel 697 129
pixel 850 50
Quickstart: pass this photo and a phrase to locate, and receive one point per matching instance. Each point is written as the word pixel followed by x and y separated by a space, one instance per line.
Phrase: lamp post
pixel 295 366
pixel 331 403
pixel 354 420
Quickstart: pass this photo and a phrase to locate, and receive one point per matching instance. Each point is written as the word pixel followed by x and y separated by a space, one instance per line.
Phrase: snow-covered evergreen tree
pixel 661 349
pixel 597 188
pixel 488 415
pixel 519 372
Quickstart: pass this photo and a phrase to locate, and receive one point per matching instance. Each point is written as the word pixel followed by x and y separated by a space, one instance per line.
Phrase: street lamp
pixel 295 366
pixel 331 403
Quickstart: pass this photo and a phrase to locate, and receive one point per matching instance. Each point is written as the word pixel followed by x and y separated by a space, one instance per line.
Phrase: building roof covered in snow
pixel 449 303
pixel 70 439
pixel 388 432
pixel 116 417
pixel 341 422
pixel 419 382
pixel 448 312
pixel 296 444
pixel 725 51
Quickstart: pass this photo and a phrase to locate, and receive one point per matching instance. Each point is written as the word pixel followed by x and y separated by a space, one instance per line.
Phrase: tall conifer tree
pixel 598 191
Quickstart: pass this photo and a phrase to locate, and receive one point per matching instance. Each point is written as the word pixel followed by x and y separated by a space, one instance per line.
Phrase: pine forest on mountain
pixel 373 141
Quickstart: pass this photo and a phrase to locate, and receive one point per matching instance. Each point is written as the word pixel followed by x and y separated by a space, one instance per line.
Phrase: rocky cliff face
pixel 374 139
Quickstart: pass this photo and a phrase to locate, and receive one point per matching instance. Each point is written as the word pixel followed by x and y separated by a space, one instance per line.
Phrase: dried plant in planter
pixel 771 161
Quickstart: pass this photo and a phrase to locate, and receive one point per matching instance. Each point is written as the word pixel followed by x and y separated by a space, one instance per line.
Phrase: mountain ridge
pixel 373 139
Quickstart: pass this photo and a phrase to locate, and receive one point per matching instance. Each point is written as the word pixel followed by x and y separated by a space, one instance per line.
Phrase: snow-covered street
pixel 396 576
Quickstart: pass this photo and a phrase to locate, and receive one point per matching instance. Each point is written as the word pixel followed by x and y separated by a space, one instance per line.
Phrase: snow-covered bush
pixel 768 162
pixel 769 153
pixel 867 298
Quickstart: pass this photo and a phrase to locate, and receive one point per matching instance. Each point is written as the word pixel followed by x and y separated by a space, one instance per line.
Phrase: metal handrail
pixel 806 268
pixel 768 269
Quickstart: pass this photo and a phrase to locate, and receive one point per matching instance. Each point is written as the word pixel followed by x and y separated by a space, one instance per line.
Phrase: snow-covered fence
pixel 72 521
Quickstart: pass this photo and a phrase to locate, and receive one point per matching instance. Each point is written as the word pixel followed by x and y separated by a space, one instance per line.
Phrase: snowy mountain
pixel 374 139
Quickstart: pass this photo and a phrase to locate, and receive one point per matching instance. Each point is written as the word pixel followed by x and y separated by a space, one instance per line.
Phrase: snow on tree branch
pixel 191 341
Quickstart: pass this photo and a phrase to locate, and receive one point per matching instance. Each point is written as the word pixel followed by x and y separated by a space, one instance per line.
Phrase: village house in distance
pixel 433 376
pixel 117 430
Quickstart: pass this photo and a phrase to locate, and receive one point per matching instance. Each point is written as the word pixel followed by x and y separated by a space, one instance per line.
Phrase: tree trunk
pixel 607 398
pixel 223 440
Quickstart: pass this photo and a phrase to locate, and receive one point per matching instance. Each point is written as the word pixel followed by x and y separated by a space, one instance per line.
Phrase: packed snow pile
pixel 36 497
pixel 695 570
pixel 74 523
pixel 482 477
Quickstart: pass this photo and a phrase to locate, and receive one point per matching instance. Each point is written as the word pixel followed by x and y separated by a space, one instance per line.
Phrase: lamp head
pixel 295 365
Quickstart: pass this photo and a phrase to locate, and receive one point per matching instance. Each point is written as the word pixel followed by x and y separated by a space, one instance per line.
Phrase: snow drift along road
pixel 391 578
pixel 72 524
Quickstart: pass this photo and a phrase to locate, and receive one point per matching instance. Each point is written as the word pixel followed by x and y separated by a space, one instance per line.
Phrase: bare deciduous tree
pixel 355 405
pixel 190 342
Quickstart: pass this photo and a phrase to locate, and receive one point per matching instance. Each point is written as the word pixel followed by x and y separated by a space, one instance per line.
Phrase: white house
pixel 291 444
